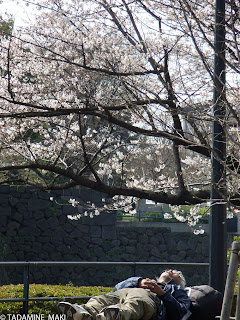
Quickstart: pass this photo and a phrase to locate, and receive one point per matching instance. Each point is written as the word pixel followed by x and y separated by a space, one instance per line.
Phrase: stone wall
pixel 33 228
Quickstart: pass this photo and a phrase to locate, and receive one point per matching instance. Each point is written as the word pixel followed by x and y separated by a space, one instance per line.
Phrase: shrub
pixel 50 307
pixel 43 290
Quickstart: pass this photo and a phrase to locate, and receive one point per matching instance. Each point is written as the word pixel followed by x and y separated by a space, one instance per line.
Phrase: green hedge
pixel 50 307
pixel 41 290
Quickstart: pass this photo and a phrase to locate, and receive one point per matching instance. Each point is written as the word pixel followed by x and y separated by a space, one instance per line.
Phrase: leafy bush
pixel 43 290
pixel 67 293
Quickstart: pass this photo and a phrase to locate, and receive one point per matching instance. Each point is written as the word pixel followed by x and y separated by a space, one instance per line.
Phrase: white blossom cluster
pixel 117 93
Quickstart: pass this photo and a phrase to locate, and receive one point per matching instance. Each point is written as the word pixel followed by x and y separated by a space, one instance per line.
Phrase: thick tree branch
pixel 111 191
pixel 201 149
pixel 182 188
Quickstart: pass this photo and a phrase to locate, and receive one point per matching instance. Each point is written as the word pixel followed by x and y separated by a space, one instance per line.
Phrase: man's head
pixel 176 275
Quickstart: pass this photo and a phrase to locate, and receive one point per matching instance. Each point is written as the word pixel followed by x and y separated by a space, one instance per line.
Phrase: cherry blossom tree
pixel 116 96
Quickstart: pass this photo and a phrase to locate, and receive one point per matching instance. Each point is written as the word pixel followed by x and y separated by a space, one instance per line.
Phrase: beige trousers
pixel 133 303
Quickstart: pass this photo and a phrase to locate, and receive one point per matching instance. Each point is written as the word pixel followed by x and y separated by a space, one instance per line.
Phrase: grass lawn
pixel 42 290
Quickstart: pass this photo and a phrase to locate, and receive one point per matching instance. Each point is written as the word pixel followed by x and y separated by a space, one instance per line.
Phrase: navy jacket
pixel 174 303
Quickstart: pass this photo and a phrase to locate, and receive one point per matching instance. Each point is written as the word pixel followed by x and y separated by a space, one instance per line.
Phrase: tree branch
pixel 111 191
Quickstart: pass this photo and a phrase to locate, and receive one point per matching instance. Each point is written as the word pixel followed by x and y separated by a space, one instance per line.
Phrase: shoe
pixel 110 313
pixel 74 311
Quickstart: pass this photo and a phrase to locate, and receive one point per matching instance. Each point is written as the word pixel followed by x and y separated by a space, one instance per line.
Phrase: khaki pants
pixel 133 303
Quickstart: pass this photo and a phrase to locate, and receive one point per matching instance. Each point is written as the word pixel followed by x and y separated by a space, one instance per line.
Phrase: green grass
pixel 43 290
pixel 47 308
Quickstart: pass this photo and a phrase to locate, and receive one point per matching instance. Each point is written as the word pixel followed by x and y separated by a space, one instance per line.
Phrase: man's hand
pixel 151 285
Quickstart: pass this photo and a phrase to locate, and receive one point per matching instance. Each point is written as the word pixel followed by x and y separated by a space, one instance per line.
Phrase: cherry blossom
pixel 116 96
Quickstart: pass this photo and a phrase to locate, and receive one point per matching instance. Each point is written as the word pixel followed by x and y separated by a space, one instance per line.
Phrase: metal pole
pixel 26 289
pixel 231 281
pixel 237 315
pixel 218 249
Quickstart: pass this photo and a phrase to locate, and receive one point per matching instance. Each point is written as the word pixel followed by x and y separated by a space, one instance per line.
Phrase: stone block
pixel 3 200
pixel 37 246
pixel 44 195
pixel 75 193
pixel 171 245
pixel 49 248
pixel 3 224
pixel 11 233
pixel 5 212
pixel 130 249
pixel 105 219
pixel 43 255
pixel 52 222
pixel 13 225
pixel 75 234
pixel 98 196
pixel 117 251
pixel 147 247
pixel 155 252
pixel 192 244
pixel 96 231
pixel 55 256
pixel 115 243
pixel 37 215
pixel 174 258
pixel 27 232
pixel 181 246
pixel 154 241
pixel 109 232
pixel 199 249
pixel 25 196
pixel 182 255
pixel 42 224
pixel 132 242
pixel 43 239
pixel 22 189
pixel 143 239
pixel 128 257
pixel 98 241
pixel 28 238
pixel 62 218
pixel 13 201
pixel 4 189
pixel 124 240
pixel 59 233
pixel 106 244
pixel 69 209
pixel 68 227
pixel 205 250
pixel 38 204
pixel 27 214
pixel 162 247
pixel 17 216
pixel 19 255
pixel 99 252
pixel 68 241
pixel 84 254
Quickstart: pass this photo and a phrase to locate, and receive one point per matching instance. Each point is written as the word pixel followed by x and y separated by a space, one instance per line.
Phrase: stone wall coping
pixel 173 227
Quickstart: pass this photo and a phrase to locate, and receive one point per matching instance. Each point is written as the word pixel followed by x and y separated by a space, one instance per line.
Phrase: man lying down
pixel 136 298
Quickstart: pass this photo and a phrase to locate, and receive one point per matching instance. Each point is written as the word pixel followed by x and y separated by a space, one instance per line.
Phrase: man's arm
pixel 177 304
pixel 132 282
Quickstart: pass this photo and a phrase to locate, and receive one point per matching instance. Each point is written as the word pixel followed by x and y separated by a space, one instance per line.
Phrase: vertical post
pixel 237 315
pixel 218 249
pixel 231 281
pixel 26 289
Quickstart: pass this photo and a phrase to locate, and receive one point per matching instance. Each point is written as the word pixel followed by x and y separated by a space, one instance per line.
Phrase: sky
pixel 18 9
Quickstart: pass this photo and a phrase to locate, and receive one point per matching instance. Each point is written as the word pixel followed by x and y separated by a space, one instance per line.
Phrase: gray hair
pixel 182 279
